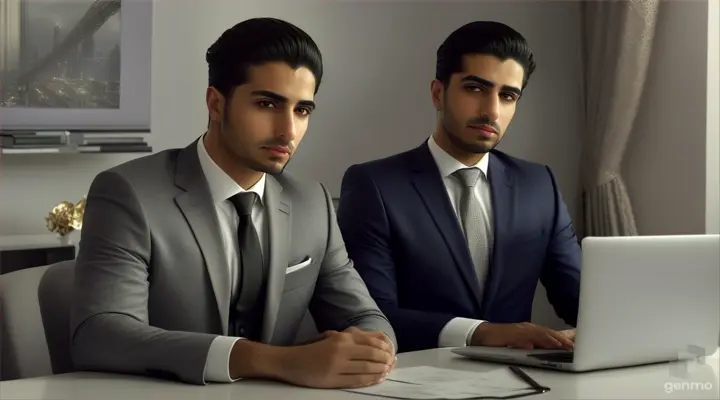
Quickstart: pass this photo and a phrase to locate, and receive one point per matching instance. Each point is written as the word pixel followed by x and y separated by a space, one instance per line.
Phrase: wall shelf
pixel 23 143
pixel 71 149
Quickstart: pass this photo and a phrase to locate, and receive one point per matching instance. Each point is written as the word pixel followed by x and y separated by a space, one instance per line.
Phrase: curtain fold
pixel 617 43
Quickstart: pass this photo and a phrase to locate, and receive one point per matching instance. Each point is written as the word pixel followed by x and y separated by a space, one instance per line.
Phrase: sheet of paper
pixel 425 375
pixel 440 391
pixel 427 383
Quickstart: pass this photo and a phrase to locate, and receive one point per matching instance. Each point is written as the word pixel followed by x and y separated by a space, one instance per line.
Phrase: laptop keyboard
pixel 560 356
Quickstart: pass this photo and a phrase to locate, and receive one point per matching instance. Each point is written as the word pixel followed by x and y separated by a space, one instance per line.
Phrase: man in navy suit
pixel 453 236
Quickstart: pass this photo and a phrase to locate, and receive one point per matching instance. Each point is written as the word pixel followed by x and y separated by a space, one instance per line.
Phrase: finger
pixel 357 331
pixel 364 368
pixel 569 333
pixel 368 353
pixel 546 340
pixel 373 341
pixel 372 338
pixel 375 334
pixel 385 338
pixel 564 341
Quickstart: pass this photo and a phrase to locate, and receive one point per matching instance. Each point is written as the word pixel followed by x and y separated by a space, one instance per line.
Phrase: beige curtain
pixel 618 36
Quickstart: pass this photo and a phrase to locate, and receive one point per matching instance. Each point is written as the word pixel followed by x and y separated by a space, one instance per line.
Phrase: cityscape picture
pixel 60 54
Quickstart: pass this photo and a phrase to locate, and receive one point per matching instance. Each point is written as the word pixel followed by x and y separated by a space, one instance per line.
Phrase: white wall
pixel 665 163
pixel 712 217
pixel 374 101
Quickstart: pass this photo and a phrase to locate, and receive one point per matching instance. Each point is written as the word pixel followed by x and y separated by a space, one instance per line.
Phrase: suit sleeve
pixel 366 230
pixel 561 271
pixel 109 317
pixel 341 298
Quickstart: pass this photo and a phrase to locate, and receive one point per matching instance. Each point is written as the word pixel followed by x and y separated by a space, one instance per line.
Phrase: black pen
pixel 527 379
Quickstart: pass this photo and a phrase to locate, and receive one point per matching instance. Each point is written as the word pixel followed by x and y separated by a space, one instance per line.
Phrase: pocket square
pixel 296 267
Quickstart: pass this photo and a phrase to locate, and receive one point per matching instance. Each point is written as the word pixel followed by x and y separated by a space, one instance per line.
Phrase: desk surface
pixel 646 382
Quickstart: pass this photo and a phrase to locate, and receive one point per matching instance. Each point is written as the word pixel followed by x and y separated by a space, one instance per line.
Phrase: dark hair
pixel 257 41
pixel 482 37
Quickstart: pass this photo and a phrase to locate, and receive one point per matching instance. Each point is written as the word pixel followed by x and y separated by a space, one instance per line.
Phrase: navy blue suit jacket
pixel 408 245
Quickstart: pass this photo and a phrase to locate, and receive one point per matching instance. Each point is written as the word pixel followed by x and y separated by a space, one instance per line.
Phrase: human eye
pixel 266 104
pixel 509 97
pixel 304 111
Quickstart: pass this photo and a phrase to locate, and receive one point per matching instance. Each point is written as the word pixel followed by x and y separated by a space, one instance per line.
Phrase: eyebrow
pixel 282 99
pixel 485 82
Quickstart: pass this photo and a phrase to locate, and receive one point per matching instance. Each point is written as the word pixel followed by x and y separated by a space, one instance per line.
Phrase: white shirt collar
pixel 222 187
pixel 447 164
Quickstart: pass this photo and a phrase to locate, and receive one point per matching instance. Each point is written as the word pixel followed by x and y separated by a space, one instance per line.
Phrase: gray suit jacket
pixel 152 285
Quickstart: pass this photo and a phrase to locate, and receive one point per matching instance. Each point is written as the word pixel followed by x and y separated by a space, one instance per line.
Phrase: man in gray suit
pixel 199 264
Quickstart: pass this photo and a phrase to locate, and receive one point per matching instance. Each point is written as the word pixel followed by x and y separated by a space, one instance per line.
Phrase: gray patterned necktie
pixel 471 218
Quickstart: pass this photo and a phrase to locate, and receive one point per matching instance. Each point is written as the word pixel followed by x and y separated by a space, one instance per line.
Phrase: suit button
pixel 242 331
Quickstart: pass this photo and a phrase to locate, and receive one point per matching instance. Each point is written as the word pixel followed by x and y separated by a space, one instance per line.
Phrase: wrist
pixel 255 360
pixel 479 336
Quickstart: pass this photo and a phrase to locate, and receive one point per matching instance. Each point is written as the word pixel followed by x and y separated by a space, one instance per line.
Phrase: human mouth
pixel 278 151
pixel 485 130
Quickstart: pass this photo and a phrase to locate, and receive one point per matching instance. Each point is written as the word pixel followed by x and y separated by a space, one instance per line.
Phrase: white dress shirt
pixel 458 331
pixel 222 187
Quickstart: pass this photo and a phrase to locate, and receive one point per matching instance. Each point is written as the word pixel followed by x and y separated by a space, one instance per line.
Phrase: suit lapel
pixel 503 204
pixel 429 185
pixel 196 204
pixel 278 213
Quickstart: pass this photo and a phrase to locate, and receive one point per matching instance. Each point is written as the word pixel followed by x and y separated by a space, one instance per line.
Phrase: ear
pixel 436 91
pixel 215 104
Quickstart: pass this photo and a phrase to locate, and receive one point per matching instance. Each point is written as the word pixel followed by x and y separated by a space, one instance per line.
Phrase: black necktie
pixel 248 308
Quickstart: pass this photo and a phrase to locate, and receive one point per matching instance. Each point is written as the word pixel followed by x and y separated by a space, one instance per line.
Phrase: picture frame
pixel 90 72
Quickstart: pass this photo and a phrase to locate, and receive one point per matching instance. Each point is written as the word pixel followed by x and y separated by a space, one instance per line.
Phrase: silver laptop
pixel 643 300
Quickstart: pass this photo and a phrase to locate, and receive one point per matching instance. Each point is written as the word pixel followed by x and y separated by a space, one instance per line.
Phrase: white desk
pixel 647 382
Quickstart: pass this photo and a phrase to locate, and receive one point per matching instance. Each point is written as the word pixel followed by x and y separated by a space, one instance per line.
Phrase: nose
pixel 286 126
pixel 490 108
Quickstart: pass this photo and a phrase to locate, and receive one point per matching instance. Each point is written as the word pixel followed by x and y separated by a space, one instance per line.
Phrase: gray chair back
pixel 23 349
pixel 55 299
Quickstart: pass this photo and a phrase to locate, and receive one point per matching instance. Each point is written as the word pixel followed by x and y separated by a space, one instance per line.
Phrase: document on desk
pixel 430 383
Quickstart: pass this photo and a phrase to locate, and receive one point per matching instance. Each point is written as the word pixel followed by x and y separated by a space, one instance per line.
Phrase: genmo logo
pixel 687 386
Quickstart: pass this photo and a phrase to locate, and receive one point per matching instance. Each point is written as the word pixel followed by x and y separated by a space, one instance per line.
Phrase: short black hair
pixel 257 41
pixel 482 37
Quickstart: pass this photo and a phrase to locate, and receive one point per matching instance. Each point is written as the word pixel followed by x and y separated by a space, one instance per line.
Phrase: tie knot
pixel 243 202
pixel 468 176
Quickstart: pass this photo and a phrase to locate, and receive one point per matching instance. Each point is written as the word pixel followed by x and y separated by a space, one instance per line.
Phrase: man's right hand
pixel 347 359
pixel 521 335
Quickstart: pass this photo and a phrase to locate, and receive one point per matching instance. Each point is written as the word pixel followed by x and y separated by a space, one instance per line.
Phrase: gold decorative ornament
pixel 66 217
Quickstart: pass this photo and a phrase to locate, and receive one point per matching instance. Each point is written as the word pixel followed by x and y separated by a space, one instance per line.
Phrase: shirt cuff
pixel 458 332
pixel 217 365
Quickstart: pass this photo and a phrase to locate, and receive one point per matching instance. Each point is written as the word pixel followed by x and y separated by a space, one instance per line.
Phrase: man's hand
pixel 522 336
pixel 348 359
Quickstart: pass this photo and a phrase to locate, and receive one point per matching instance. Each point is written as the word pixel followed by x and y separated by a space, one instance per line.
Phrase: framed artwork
pixel 75 65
